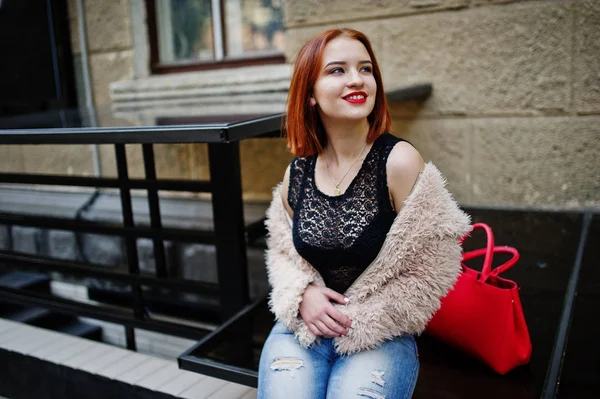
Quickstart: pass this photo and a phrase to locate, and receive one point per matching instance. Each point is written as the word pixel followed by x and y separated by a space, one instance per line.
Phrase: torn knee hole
pixel 290 364
pixel 369 393
pixel 377 378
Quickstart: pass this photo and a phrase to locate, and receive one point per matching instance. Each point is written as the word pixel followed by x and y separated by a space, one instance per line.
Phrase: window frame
pixel 157 68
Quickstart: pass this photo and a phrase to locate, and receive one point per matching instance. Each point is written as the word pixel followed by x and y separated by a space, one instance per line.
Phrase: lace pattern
pixel 340 236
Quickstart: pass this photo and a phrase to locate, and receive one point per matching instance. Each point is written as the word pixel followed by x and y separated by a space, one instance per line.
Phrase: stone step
pixel 68 366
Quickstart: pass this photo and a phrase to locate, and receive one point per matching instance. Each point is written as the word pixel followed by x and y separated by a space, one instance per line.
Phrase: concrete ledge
pixel 38 363
pixel 230 91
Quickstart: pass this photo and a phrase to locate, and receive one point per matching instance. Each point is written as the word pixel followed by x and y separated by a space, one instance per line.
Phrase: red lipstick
pixel 356 97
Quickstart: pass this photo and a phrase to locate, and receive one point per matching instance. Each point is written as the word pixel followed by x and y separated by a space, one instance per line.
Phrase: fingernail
pixel 347 299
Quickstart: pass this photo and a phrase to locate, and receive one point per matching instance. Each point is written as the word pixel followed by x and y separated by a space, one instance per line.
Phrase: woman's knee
pixel 389 371
pixel 282 354
pixel 286 369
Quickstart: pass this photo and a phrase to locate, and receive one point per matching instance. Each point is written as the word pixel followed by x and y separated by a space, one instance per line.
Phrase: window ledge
pixel 252 89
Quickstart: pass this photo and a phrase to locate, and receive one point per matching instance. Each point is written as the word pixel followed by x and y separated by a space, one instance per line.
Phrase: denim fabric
pixel 288 371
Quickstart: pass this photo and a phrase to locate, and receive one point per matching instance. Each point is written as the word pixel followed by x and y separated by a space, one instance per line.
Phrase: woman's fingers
pixel 339 317
pixel 335 296
pixel 334 326
pixel 325 330
pixel 313 329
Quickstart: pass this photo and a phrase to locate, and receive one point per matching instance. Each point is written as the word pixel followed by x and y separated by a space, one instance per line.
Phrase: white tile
pixel 87 356
pixel 54 346
pixel 160 377
pixel 76 348
pixel 16 334
pixel 30 345
pixel 180 383
pixel 203 389
pixel 142 371
pixel 112 355
pixel 250 395
pixel 19 337
pixel 122 366
pixel 7 325
pixel 231 390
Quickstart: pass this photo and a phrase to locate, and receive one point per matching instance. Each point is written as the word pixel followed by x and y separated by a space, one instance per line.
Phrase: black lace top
pixel 340 236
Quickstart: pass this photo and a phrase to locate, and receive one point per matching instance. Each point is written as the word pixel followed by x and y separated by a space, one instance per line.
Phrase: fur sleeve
pixel 406 303
pixel 401 291
pixel 289 274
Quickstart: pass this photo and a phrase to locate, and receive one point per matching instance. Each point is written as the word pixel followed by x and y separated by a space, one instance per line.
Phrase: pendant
pixel 337 190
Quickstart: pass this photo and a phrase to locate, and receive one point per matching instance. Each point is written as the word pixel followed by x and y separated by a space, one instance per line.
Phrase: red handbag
pixel 482 314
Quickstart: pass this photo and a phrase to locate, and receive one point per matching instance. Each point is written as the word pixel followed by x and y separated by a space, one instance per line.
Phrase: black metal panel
pixel 269 126
pixel 553 377
pixel 237 334
pixel 580 374
pixel 183 235
pixel 130 243
pixel 154 207
pixel 228 215
pixel 111 314
pixel 25 376
pixel 116 135
pixel 80 269
pixel 106 182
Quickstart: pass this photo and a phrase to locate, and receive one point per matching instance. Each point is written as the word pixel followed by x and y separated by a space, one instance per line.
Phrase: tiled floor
pixel 116 363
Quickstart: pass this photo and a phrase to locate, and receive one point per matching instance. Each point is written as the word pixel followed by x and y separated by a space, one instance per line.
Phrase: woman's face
pixel 346 87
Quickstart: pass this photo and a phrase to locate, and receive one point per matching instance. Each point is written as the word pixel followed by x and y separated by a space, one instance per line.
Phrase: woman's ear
pixel 313 102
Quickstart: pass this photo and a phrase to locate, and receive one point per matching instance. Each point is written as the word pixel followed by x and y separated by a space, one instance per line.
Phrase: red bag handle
pixel 499 249
pixel 488 252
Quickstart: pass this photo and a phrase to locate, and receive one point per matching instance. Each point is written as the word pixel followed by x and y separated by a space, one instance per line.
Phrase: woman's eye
pixel 336 70
pixel 366 69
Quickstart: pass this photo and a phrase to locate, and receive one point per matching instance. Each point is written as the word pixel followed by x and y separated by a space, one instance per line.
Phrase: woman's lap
pixel 289 371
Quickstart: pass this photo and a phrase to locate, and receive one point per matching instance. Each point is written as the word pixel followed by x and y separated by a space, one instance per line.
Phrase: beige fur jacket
pixel 399 291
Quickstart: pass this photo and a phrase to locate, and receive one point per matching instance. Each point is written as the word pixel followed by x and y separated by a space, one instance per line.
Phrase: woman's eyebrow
pixel 344 62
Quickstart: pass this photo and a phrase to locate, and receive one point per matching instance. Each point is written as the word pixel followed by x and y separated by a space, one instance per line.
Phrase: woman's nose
pixel 355 80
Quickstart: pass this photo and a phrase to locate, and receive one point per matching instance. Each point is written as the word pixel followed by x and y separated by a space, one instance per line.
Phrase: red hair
pixel 305 133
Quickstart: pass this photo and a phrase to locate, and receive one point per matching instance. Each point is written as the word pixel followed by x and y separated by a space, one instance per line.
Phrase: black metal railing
pixel 229 235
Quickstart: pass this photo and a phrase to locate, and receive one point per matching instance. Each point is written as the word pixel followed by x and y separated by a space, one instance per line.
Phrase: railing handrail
pixel 189 133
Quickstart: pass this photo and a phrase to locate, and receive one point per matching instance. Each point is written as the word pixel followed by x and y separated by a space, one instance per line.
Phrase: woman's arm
pixel 404 165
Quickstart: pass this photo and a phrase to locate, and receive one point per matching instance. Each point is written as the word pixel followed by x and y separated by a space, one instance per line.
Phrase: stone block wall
pixel 512 121
pixel 514 115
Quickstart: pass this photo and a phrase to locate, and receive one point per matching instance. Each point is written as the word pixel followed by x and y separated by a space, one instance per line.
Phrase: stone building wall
pixel 513 119
pixel 118 52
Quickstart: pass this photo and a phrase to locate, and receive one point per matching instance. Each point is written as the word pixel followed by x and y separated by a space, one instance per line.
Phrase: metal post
pixel 228 216
pixel 154 207
pixel 130 244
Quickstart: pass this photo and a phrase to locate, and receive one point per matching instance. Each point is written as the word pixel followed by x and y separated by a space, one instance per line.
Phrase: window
pixel 204 34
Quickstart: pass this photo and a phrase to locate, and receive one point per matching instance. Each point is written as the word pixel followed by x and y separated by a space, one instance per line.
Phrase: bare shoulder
pixel 284 188
pixel 404 165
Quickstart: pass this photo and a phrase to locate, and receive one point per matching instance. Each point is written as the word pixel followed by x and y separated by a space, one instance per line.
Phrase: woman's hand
pixel 321 317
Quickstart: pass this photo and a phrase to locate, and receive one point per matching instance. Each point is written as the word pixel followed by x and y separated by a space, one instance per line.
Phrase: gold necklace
pixel 337 185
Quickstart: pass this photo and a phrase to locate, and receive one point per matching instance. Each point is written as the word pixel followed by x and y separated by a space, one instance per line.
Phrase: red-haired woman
pixel 363 236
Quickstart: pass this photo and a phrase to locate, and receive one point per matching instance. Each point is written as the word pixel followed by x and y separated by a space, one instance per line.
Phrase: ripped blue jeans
pixel 288 371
